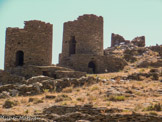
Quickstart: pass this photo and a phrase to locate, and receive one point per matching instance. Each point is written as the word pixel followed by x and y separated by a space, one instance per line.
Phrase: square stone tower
pixel 83 36
pixel 31 45
pixel 82 48
pixel 82 42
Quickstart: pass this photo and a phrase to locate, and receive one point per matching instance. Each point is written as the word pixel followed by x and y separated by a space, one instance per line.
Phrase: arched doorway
pixel 92 66
pixel 72 45
pixel 19 58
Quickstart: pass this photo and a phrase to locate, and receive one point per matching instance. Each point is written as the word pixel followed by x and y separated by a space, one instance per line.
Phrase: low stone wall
pixel 157 49
pixel 147 63
pixel 6 77
pixel 102 64
pixel 55 72
pixel 38 84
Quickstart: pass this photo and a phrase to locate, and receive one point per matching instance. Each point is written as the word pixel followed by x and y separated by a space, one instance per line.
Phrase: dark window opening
pixel 72 45
pixel 19 58
pixel 54 76
pixel 45 73
pixel 92 66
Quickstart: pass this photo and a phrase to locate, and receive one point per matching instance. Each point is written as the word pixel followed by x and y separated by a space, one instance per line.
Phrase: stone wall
pixel 6 77
pixel 157 48
pixel 82 48
pixel 29 46
pixel 139 41
pixel 83 36
pixel 101 64
pixel 116 40
pixel 50 71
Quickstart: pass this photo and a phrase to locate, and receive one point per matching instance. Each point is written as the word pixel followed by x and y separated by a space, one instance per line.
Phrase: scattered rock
pixel 9 104
pixel 50 97
pixel 4 94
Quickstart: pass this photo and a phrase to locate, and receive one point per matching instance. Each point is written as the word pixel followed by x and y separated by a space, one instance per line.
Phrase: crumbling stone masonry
pixel 117 40
pixel 31 45
pixel 28 52
pixel 139 41
pixel 82 47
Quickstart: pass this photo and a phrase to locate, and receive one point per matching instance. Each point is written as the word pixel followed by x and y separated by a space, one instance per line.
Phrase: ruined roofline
pixel 36 21
pixel 118 35
pixel 84 16
pixel 26 24
pixel 129 40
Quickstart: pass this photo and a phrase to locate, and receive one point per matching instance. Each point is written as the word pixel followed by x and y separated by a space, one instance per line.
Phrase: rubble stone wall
pixel 116 39
pixel 102 63
pixel 157 49
pixel 82 48
pixel 50 71
pixel 139 41
pixel 34 42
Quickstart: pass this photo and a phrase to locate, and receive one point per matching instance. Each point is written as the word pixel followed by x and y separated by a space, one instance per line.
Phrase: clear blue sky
pixel 129 18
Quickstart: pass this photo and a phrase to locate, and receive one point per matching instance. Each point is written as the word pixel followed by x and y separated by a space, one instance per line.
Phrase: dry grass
pixel 145 92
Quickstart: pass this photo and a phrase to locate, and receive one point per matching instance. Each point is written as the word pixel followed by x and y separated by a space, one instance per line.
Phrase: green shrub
pixel 155 107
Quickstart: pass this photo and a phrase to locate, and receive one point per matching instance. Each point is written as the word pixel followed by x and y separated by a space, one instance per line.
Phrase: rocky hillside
pixel 131 95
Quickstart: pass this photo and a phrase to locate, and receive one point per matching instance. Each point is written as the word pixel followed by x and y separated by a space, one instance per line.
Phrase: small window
pixel 19 58
pixel 45 73
pixel 72 45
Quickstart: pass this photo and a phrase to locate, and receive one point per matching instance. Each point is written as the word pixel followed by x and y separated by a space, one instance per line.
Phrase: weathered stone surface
pixel 139 41
pixel 83 47
pixel 78 113
pixel 147 63
pixel 142 76
pixel 36 79
pixel 55 72
pixel 6 77
pixel 62 110
pixel 29 46
pixel 4 94
pixel 117 40
pixel 38 84
pixel 9 104
pixel 7 87
pixel 69 74
pixel 157 48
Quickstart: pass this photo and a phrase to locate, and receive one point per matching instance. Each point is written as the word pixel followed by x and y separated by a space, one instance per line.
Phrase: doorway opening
pixel 92 66
pixel 19 58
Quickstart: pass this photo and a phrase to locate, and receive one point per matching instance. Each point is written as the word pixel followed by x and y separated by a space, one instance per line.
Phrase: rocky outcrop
pixel 154 74
pixel 81 117
pixel 147 63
